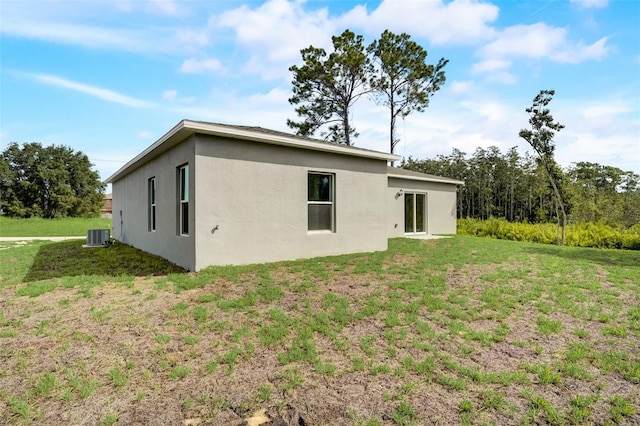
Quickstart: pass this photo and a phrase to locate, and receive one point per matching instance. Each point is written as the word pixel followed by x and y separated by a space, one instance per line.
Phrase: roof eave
pixel 427 179
pixel 248 135
pixel 160 143
pixel 186 128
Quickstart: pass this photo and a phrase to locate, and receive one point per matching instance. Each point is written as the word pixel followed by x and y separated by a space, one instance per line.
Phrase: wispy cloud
pixel 595 4
pixel 197 66
pixel 169 95
pixel 163 7
pixel 98 92
pixel 172 96
pixel 64 23
pixel 543 42
pixel 77 34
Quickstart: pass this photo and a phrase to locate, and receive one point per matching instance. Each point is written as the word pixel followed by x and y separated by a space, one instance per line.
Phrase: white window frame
pixel 415 212
pixel 151 191
pixel 331 202
pixel 183 199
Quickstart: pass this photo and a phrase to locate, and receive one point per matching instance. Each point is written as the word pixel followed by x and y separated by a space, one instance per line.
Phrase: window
pixel 320 202
pixel 183 197
pixel 151 193
pixel 415 207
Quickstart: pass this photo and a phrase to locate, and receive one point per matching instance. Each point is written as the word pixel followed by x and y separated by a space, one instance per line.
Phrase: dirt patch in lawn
pixel 334 346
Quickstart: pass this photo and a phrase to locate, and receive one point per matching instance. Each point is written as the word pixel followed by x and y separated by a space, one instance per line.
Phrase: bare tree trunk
pixel 392 131
pixel 559 200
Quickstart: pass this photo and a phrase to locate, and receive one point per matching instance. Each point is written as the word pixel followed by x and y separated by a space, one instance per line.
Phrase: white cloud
pixel 454 22
pixel 145 134
pixel 163 7
pixel 74 23
pixel 490 110
pixel 123 5
pixel 140 41
pixel 274 32
pixel 603 131
pixel 459 87
pixel 538 42
pixel 605 110
pixel 172 96
pixel 98 92
pixel 169 95
pixel 581 52
pixel 503 78
pixel 587 4
pixel 541 41
pixel 278 29
pixel 197 66
pixel 269 110
pixel 192 38
pixel 617 148
pixel 490 65
pixel 82 35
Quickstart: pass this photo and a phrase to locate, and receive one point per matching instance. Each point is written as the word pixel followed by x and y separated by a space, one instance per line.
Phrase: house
pixel 212 194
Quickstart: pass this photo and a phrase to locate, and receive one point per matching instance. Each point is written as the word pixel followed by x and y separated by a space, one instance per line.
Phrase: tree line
pixel 516 187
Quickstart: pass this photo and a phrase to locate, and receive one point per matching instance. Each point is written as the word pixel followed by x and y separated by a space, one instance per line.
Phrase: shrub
pixel 596 235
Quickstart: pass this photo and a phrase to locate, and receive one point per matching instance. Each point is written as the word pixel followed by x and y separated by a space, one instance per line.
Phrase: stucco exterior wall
pixel 252 203
pixel 441 206
pixel 130 196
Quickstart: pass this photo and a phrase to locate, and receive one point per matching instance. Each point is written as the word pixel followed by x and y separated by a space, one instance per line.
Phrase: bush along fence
pixel 578 235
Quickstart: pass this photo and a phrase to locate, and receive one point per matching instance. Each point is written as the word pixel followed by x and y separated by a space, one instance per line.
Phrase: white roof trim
pixel 187 128
pixel 213 129
pixel 426 178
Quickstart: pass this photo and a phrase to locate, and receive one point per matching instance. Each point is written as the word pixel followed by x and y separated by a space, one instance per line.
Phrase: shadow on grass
pixel 69 258
pixel 599 256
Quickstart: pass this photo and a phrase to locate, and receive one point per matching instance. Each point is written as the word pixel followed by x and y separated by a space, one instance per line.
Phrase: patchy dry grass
pixel 454 331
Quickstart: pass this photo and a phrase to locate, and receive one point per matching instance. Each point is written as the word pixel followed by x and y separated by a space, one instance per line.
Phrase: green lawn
pixel 38 227
pixel 454 331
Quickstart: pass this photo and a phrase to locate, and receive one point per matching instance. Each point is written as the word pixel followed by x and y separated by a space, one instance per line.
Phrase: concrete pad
pixel 427 237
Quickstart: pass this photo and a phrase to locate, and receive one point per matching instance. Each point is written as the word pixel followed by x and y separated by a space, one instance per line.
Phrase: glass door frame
pixel 412 222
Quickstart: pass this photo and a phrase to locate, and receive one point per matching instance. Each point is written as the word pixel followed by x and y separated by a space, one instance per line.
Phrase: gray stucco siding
pixel 441 205
pixel 248 197
pixel 255 197
pixel 130 195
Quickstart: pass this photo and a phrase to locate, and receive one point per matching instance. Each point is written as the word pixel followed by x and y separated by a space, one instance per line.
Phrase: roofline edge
pixel 196 127
pixel 427 179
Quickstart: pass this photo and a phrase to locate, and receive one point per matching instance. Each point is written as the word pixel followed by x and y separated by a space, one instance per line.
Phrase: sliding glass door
pixel 415 213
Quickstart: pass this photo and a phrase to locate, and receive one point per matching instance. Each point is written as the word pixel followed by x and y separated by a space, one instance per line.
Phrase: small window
pixel 183 197
pixel 151 191
pixel 320 202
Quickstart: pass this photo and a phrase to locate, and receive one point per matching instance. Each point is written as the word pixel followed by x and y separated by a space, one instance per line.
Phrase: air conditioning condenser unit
pixel 98 237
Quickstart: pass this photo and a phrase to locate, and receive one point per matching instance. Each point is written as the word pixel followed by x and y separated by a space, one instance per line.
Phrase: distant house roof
pixel 410 174
pixel 187 128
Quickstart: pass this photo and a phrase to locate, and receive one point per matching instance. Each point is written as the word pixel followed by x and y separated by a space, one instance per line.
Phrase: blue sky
pixel 110 77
